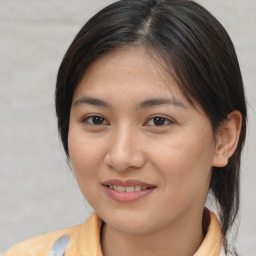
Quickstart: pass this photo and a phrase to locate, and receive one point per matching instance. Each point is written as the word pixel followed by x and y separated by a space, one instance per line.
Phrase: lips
pixel 127 191
pixel 127 183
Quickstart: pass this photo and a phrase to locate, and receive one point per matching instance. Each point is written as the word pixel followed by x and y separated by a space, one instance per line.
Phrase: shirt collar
pixel 88 238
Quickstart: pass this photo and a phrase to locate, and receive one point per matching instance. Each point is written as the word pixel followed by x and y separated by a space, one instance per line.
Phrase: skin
pixel 126 142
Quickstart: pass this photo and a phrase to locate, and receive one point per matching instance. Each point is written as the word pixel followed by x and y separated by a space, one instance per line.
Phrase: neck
pixel 182 238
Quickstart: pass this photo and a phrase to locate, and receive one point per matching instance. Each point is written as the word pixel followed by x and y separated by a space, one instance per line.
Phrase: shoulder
pixel 72 241
pixel 39 245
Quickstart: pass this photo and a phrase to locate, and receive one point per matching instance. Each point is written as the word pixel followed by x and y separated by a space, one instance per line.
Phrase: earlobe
pixel 227 139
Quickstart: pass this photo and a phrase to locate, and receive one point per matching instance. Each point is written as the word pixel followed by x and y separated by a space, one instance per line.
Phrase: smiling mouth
pixel 128 189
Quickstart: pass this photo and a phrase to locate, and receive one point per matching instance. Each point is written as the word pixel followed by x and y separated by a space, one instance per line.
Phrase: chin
pixel 128 222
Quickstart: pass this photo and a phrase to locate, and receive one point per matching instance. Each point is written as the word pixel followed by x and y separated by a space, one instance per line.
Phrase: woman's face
pixel 142 155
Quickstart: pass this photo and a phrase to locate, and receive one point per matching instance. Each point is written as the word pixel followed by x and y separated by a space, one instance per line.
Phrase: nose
pixel 125 150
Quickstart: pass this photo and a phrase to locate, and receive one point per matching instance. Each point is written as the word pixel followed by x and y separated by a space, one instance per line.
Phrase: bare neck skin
pixel 183 238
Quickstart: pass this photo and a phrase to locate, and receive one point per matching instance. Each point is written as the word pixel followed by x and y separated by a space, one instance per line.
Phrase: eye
pixel 95 120
pixel 159 121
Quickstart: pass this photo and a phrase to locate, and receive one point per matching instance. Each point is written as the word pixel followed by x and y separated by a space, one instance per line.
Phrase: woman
pixel 152 116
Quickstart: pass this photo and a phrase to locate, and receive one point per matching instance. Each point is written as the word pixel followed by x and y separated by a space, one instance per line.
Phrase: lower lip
pixel 127 197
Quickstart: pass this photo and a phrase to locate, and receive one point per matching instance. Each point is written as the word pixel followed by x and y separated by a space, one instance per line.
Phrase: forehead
pixel 128 69
pixel 133 62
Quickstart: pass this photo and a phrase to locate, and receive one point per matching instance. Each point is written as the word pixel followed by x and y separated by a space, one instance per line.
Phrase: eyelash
pixel 162 119
pixel 85 120
pixel 154 119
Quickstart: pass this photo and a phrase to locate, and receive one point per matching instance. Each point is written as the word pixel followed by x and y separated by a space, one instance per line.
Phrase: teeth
pixel 127 189
pixel 137 188
pixel 121 189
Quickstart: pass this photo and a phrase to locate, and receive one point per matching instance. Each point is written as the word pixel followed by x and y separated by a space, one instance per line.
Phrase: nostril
pixel 125 160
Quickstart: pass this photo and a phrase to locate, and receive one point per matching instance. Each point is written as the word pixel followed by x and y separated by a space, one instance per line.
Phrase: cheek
pixel 185 162
pixel 85 159
pixel 85 173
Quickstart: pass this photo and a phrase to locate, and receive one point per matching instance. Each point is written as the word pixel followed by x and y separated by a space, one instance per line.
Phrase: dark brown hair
pixel 195 48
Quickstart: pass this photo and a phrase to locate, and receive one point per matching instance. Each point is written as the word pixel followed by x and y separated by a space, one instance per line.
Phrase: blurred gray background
pixel 38 193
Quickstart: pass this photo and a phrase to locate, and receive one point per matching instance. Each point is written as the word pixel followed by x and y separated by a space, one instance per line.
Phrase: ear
pixel 227 139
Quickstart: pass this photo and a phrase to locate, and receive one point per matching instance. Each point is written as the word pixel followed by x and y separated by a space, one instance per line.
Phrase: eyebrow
pixel 160 101
pixel 144 104
pixel 92 101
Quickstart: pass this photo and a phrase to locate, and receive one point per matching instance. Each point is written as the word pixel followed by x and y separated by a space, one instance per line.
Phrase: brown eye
pixel 95 120
pixel 159 121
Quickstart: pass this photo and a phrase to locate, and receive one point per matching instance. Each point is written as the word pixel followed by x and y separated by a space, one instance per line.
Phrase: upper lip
pixel 127 183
